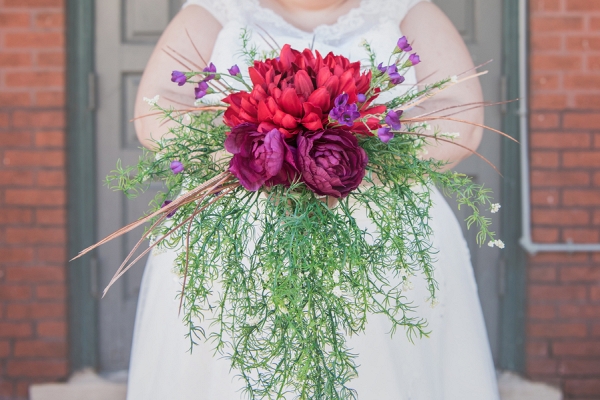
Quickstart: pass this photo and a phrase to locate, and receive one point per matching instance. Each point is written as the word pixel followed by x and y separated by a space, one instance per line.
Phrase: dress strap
pixel 221 10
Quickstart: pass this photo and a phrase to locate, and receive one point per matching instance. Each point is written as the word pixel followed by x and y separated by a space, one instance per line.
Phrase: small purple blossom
pixel 393 119
pixel 394 75
pixel 361 98
pixel 166 203
pixel 414 59
pixel 381 68
pixel 176 167
pixel 201 90
pixel 234 71
pixel 211 68
pixel 341 100
pixel 342 112
pixel 385 134
pixel 349 115
pixel 404 45
pixel 178 77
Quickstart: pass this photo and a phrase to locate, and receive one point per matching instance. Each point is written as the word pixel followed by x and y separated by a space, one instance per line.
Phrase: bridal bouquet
pixel 264 176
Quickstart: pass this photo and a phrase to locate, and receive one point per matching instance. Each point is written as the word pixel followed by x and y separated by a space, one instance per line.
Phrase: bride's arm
pixel 444 54
pixel 203 28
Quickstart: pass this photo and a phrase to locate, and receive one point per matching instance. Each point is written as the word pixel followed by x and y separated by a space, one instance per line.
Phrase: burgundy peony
pixel 260 158
pixel 330 161
pixel 296 91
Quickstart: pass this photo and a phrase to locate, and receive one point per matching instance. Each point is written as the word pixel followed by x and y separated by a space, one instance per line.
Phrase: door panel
pixel 480 23
pixel 126 33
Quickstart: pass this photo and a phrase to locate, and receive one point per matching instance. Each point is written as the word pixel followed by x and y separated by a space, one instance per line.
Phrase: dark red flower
pixel 296 92
pixel 260 158
pixel 330 161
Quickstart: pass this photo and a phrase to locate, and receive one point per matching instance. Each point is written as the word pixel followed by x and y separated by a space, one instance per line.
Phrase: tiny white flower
pixel 403 273
pixel 336 276
pixel 450 135
pixel 492 243
pixel 434 302
pixel 337 292
pixel 158 250
pixel 408 285
pixel 500 244
pixel 454 79
pixel 252 321
pixel 187 119
pixel 152 101
pixel 495 208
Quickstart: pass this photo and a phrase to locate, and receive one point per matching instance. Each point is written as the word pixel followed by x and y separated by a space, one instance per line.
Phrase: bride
pixel 455 361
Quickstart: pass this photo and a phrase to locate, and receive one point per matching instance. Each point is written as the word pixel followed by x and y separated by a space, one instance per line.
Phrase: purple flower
pixel 394 75
pixel 414 59
pixel 166 203
pixel 211 68
pixel 393 119
pixel 341 100
pixel 381 68
pixel 385 134
pixel 178 77
pixel 342 112
pixel 176 167
pixel 331 162
pixel 234 71
pixel 260 158
pixel 404 45
pixel 361 98
pixel 349 115
pixel 201 90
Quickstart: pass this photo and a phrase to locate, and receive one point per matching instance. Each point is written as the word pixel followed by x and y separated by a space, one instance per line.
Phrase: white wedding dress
pixel 454 363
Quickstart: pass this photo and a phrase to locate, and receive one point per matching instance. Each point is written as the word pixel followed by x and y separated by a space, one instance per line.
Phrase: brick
pixel 52 254
pixel 587 101
pixel 15 99
pixel 544 81
pixel 545 5
pixel 15 254
pixel 544 120
pixel 36 368
pixel 595 293
pixel 45 158
pixel 33 3
pixel 542 274
pixel 560 217
pixel 594 63
pixel 580 274
pixel 581 197
pixel 15 329
pixel 556 330
pixel 541 366
pixel 582 387
pixel 34 79
pixel 51 217
pixel 560 140
pixel 583 5
pixel 50 139
pixel 576 348
pixel 35 197
pixel 51 292
pixel 15 216
pixel 50 99
pixel 596 219
pixel 556 293
pixel 14 292
pixel 544 159
pixel 548 102
pixel 583 43
pixel 582 81
pixel 541 312
pixel 579 311
pixel 50 20
pixel 14 20
pixel 559 178
pixel 545 235
pixel 6 389
pixel 554 24
pixel 36 311
pixel 17 138
pixel 580 235
pixel 5 348
pixel 556 63
pixel 36 40
pixel 581 159
pixel 40 349
pixel 536 348
pixel 52 329
pixel 35 235
pixel 34 274
pixel 15 59
pixel 39 119
pixel 579 367
pixel 54 59
pixel 544 197
pixel 597 138
pixel 595 23
pixel 16 178
pixel 560 258
pixel 546 43
pixel 51 178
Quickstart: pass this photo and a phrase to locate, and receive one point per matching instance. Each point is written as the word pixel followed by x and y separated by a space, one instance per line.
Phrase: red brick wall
pixel 33 337
pixel 563 343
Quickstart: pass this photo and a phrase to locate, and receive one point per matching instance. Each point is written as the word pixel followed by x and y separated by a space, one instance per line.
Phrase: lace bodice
pixel 376 21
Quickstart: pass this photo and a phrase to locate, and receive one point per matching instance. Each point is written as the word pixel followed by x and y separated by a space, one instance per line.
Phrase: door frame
pixel 81 155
